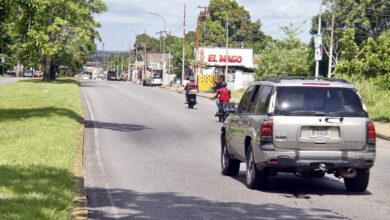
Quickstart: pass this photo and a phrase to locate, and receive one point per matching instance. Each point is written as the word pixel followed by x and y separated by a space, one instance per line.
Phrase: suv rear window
pixel 312 101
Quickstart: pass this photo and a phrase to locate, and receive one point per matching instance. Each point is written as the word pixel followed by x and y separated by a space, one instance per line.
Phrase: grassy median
pixel 39 140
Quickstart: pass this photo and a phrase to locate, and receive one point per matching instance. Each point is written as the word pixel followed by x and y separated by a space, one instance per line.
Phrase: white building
pixel 212 62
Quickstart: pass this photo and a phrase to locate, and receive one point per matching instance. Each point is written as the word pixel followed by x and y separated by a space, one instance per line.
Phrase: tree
pixel 152 44
pixel 55 32
pixel 371 59
pixel 369 18
pixel 284 57
pixel 242 31
pixel 8 8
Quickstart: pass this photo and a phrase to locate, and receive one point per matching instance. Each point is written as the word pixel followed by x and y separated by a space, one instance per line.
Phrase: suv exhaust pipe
pixel 348 172
pixel 322 167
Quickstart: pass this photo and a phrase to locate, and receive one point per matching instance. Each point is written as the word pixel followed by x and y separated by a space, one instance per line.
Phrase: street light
pixel 162 18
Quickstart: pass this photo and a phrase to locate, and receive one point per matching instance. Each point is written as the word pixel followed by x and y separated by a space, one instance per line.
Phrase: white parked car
pixel 154 81
pixel 28 73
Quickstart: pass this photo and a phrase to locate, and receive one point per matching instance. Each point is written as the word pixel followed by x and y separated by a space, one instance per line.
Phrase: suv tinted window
pixel 242 107
pixel 309 101
pixel 264 98
pixel 253 99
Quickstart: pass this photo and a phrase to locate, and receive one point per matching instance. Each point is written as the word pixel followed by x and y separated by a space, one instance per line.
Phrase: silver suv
pixel 301 126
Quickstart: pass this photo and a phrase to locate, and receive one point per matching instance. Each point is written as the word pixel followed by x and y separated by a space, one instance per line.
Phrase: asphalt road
pixel 4 80
pixel 148 156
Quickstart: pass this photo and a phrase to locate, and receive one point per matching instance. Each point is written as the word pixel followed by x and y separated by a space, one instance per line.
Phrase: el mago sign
pixel 216 56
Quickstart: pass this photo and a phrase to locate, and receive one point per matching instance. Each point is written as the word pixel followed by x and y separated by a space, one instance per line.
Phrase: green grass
pixel 375 98
pixel 39 138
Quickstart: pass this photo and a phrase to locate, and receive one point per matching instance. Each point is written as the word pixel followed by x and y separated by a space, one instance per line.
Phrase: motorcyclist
pixel 223 94
pixel 190 85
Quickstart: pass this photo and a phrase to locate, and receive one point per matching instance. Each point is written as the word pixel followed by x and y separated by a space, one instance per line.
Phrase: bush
pixel 374 94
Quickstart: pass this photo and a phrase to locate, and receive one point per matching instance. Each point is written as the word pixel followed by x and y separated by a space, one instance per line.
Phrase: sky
pixel 124 17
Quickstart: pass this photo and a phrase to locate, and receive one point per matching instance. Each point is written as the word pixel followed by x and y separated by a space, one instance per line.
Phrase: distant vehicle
pixel 154 81
pixel 301 126
pixel 11 73
pixel 111 75
pixel 99 77
pixel 122 77
pixel 28 73
pixel 176 81
pixel 38 73
pixel 191 97
pixel 86 76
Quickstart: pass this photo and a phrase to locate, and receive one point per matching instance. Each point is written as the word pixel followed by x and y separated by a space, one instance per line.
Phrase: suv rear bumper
pixel 304 159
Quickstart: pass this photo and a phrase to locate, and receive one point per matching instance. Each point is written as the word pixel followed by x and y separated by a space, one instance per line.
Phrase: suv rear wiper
pixel 320 114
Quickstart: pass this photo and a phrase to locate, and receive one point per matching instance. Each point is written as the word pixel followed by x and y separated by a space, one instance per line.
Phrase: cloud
pixel 123 15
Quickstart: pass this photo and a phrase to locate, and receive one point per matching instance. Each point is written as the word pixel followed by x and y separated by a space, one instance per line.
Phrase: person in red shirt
pixel 190 85
pixel 223 95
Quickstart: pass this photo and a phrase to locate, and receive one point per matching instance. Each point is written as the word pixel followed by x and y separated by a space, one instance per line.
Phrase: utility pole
pixel 331 40
pixel 109 62
pixel 204 23
pixel 227 49
pixel 136 55
pixel 144 73
pixel 318 32
pixel 197 58
pixel 122 66
pixel 104 58
pixel 163 51
pixel 129 67
pixel 197 51
pixel 160 32
pixel 184 45
pixel 117 62
pixel 169 54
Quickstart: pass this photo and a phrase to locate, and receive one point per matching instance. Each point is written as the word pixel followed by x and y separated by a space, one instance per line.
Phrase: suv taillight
pixel 371 134
pixel 266 131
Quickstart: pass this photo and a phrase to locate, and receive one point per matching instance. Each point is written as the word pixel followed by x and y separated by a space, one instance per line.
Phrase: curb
pixel 381 130
pixel 384 137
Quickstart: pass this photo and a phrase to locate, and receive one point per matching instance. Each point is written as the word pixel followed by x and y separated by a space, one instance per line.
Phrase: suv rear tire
pixel 359 183
pixel 255 179
pixel 229 166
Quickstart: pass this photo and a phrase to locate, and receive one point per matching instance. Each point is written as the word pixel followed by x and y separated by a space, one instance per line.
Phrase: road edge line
pixel 97 153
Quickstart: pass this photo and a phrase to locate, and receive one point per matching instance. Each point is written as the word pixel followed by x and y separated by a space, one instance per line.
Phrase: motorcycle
pixel 224 110
pixel 191 98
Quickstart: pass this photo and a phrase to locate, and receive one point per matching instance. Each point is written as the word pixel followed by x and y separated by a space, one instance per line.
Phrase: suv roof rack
pixel 278 79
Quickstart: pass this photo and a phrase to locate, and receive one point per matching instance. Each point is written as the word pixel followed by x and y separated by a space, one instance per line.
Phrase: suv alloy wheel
pixel 255 179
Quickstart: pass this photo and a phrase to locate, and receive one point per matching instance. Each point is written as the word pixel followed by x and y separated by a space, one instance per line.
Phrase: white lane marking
pixel 97 153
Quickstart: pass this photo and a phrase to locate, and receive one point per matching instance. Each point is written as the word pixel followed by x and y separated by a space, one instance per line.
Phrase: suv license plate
pixel 319 132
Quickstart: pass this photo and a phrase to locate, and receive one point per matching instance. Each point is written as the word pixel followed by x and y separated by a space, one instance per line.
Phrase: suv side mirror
pixel 230 107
